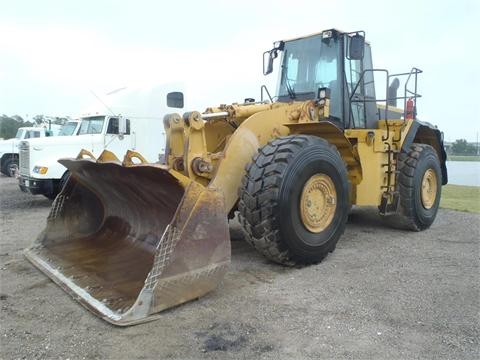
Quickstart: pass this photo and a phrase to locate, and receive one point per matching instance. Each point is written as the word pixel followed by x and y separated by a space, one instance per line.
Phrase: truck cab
pixel 40 173
pixel 9 153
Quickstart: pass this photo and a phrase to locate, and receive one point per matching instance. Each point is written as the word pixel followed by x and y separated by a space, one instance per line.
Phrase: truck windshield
pixel 32 134
pixel 91 125
pixel 19 134
pixel 68 129
pixel 309 64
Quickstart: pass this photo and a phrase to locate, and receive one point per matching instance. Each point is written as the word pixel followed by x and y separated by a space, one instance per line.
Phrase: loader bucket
pixel 129 241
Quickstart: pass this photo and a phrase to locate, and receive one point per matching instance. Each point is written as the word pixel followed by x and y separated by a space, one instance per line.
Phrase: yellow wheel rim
pixel 318 203
pixel 429 188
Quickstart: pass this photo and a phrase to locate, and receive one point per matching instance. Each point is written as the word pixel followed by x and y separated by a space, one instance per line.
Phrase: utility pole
pixel 478 149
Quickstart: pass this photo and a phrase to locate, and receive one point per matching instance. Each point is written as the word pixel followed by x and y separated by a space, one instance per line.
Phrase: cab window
pixel 91 125
pixel 114 127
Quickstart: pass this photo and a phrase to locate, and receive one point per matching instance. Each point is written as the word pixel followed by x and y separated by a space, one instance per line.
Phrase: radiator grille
pixel 24 158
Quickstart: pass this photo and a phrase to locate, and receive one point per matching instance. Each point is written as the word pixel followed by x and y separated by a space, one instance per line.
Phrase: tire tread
pixel 406 218
pixel 258 197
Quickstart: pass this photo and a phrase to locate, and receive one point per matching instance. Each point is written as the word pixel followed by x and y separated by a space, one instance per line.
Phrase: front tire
pixel 10 167
pixel 294 199
pixel 419 184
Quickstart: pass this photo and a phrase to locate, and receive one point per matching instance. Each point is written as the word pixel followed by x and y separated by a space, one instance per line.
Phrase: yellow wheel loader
pixel 129 239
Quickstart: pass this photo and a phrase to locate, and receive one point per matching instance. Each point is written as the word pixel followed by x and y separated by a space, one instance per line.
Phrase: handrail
pixel 262 88
pixel 407 93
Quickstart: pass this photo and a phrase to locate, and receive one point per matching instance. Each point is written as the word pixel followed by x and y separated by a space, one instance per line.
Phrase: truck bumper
pixel 36 186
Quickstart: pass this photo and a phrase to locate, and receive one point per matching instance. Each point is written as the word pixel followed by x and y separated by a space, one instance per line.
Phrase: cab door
pixel 360 89
pixel 115 141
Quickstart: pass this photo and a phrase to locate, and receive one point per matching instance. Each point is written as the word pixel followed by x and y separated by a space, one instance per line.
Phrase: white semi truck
pixel 9 154
pixel 124 120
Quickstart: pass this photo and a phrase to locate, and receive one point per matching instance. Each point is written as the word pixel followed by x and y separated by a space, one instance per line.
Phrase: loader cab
pixel 331 60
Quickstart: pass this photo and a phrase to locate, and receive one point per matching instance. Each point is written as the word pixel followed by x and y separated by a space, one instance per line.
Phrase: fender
pixel 426 133
pixel 7 156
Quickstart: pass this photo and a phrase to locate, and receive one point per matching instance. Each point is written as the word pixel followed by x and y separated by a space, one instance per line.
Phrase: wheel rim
pixel 12 169
pixel 318 203
pixel 429 188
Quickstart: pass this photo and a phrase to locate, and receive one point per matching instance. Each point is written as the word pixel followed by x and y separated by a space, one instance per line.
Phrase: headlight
pixel 323 93
pixel 40 170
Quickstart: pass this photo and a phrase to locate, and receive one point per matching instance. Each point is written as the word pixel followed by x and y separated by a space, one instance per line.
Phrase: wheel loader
pixel 129 239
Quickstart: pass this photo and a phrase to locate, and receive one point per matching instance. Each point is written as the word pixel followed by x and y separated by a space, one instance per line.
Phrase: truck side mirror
pixel 175 99
pixel 122 125
pixel 356 48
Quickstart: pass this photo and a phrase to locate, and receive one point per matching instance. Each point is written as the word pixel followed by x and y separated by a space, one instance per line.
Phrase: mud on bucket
pixel 129 241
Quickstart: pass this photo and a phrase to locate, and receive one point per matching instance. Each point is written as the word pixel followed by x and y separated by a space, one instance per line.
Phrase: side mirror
pixel 268 62
pixel 269 56
pixel 122 125
pixel 175 100
pixel 356 48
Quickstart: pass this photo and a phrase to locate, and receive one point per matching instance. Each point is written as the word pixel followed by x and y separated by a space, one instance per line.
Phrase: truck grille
pixel 24 158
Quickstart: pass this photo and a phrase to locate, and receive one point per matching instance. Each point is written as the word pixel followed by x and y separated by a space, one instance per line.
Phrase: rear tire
pixel 294 199
pixel 419 184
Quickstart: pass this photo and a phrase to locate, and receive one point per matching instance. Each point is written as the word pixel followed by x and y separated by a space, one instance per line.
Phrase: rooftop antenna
pixel 116 90
pixel 102 100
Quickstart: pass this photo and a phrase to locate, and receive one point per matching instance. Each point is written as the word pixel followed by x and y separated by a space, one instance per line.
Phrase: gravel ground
pixel 383 294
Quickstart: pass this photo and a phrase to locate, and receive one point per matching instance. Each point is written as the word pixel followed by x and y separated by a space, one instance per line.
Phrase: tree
pixel 9 125
pixel 60 120
pixel 462 147
pixel 38 119
pixel 17 118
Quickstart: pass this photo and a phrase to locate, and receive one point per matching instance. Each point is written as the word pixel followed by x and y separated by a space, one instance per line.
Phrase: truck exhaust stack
pixel 129 241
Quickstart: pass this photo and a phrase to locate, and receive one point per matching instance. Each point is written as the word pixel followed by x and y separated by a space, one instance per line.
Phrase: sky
pixel 54 54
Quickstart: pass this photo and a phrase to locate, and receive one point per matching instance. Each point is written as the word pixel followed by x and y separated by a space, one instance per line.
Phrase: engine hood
pixel 60 141
pixel 7 146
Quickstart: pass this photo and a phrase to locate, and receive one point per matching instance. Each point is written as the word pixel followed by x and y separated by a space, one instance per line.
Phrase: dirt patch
pixel 383 293
pixel 225 337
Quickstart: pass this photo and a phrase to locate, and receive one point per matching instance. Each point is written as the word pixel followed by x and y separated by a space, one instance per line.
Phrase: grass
pixel 463 157
pixel 462 198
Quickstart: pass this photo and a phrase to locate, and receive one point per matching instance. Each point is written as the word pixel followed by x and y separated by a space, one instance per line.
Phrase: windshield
pixel 91 125
pixel 32 134
pixel 309 64
pixel 19 134
pixel 68 129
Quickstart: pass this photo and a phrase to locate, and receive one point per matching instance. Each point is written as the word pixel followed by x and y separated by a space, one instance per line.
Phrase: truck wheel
pixel 294 199
pixel 50 196
pixel 11 167
pixel 58 186
pixel 419 184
